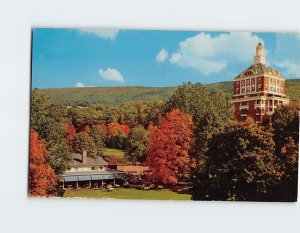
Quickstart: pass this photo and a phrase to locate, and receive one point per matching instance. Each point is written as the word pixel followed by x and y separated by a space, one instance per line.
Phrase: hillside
pixel 118 95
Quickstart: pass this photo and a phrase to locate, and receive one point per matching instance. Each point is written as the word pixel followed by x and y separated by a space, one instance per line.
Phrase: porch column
pixel 77 184
pixel 114 182
pixel 273 105
pixel 90 183
pixel 63 184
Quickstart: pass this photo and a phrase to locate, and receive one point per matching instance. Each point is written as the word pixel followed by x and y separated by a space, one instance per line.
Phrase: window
pixel 93 168
pixel 243 90
pixel 243 118
pixel 258 101
pixel 257 118
pixel 244 111
pixel 253 88
pixel 259 86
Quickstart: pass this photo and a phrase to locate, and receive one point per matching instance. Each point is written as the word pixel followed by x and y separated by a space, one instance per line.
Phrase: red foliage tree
pixel 168 149
pixel 71 131
pixel 86 129
pixel 42 179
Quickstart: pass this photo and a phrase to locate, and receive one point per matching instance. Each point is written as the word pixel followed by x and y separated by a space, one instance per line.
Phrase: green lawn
pixel 113 152
pixel 128 194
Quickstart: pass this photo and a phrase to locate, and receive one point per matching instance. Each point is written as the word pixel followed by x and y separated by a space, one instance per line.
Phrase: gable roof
pixel 77 160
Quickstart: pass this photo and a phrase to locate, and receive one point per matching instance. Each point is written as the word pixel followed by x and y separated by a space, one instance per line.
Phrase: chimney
pixel 84 157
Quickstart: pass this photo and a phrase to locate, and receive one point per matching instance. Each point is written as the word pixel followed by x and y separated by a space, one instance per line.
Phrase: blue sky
pixel 109 57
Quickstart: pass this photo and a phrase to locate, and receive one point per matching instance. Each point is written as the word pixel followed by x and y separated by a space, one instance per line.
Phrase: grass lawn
pixel 128 194
pixel 113 152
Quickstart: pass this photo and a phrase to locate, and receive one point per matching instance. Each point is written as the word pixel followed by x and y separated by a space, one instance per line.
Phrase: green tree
pixel 83 141
pixel 285 122
pixel 81 117
pixel 40 120
pixel 99 136
pixel 287 189
pixel 208 108
pixel 118 141
pixel 239 165
pixel 59 154
pixel 46 119
pixel 136 145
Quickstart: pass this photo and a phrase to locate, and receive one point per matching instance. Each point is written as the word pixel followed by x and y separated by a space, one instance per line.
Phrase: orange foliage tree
pixel 42 179
pixel 169 146
pixel 113 129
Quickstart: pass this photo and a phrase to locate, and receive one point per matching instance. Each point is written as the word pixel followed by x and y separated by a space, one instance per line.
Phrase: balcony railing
pixel 244 107
pixel 260 106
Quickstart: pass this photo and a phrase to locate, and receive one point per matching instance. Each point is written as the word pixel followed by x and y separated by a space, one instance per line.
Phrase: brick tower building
pixel 258 90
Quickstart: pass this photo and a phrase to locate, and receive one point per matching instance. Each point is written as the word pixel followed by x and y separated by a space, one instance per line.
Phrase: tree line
pixel 192 137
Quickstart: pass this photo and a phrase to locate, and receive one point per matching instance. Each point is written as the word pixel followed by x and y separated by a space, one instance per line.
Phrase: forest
pixel 183 134
pixel 116 96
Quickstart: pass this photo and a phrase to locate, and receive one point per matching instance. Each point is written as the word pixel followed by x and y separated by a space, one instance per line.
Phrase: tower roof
pixel 259 69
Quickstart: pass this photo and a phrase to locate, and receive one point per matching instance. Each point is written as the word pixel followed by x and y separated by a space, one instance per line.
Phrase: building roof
pixel 92 175
pixel 77 160
pixel 86 173
pixel 259 69
pixel 112 160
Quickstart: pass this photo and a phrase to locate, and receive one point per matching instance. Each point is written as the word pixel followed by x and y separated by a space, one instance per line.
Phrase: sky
pixel 109 57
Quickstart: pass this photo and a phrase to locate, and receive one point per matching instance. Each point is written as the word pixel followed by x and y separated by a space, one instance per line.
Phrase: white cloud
pixel 162 55
pixel 287 54
pixel 111 74
pixel 293 69
pixel 103 33
pixel 175 57
pixel 79 84
pixel 209 54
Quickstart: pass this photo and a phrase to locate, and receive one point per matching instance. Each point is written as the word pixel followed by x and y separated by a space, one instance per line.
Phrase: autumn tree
pixel 70 131
pixel 169 146
pixel 84 142
pixel 116 135
pixel 42 179
pixel 136 145
pixel 239 165
pixel 99 135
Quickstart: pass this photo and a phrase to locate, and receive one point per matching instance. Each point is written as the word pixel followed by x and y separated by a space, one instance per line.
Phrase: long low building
pixel 86 170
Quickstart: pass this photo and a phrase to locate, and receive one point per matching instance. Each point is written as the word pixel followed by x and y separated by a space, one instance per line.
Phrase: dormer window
pixel 248 73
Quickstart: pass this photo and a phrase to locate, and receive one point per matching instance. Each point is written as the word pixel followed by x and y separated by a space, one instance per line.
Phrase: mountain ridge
pixel 116 96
